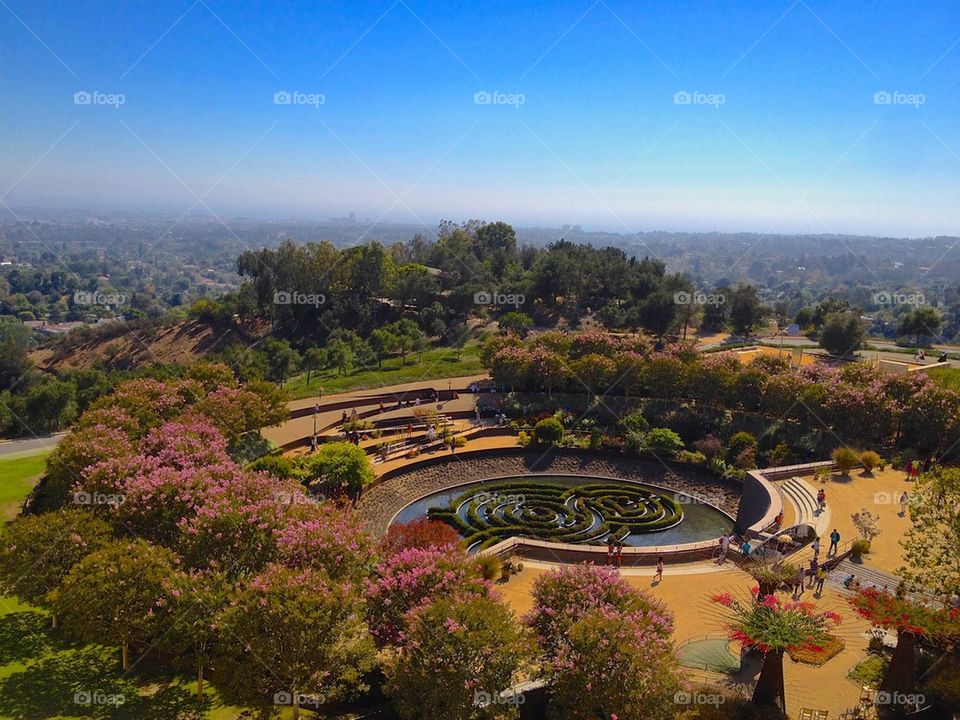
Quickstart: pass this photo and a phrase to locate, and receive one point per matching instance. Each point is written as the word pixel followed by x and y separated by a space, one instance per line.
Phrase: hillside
pixel 132 345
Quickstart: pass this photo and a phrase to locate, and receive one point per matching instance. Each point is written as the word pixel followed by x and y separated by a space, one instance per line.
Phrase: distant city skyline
pixel 780 117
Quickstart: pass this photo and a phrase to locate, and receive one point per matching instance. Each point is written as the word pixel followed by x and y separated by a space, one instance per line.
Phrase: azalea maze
pixel 583 514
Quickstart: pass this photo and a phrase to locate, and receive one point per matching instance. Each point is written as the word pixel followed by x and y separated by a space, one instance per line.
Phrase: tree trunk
pixel 125 655
pixel 769 690
pixel 54 621
pixel 295 711
pixel 200 681
pixel 900 679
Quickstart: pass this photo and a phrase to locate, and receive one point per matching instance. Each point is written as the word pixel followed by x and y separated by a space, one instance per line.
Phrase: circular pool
pixel 583 510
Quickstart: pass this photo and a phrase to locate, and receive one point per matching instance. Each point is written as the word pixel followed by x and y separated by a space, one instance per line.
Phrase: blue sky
pixel 782 134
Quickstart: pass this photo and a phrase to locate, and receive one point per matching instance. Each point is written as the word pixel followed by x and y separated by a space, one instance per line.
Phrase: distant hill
pixel 125 346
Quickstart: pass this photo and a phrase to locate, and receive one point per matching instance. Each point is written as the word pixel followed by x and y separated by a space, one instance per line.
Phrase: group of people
pixel 915 467
pixel 821 500
pixel 615 557
pixel 723 547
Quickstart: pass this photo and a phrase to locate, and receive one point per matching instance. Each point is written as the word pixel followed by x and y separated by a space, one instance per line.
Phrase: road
pixel 28 445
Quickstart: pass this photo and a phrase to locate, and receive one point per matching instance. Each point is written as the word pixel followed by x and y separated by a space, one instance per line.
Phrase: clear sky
pixel 784 131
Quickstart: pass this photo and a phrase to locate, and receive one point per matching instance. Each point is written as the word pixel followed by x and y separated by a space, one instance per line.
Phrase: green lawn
pixel 18 474
pixel 946 377
pixel 436 363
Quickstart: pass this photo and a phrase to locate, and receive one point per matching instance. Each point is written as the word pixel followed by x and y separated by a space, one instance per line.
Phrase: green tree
pixel 340 464
pixel 282 360
pixel 456 658
pixel 515 322
pixel 50 406
pixel 314 360
pixel 548 431
pixel 932 543
pixel 293 636
pixel 746 309
pixel 663 442
pixel 112 593
pixel 37 551
pixel 921 322
pixel 842 333
pixel 382 342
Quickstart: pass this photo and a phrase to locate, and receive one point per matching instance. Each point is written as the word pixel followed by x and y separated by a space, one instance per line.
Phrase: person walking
pixel 745 548
pixel 658 576
pixel 816 547
pixel 724 547
pixel 904 501
pixel 798 582
pixel 834 543
pixel 821 578
pixel 814 566
pixel 610 549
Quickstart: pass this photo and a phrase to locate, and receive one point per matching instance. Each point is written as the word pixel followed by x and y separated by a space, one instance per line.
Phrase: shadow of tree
pixel 25 635
pixel 87 682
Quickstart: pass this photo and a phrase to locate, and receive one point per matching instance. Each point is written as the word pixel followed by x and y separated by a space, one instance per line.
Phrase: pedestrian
pixel 814 566
pixel 353 413
pixel 904 501
pixel 476 412
pixel 658 576
pixel 745 548
pixel 343 418
pixel 416 401
pixel 816 547
pixel 834 543
pixel 909 470
pixel 916 470
pixel 821 578
pixel 381 407
pixel 609 550
pixel 798 582
pixel 722 548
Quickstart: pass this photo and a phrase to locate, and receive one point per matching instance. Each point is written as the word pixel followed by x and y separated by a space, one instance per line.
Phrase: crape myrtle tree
pixel 596 631
pixel 457 660
pixel 113 593
pixel 774 626
pixel 38 551
pixel 910 620
pixel 293 637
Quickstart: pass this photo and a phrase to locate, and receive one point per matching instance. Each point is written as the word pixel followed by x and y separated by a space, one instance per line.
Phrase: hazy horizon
pixel 791 118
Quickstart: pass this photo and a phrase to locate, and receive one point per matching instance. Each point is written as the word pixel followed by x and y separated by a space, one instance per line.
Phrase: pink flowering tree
pixel 457 658
pixel 563 597
pixel 411 578
pixel 606 645
pixel 773 626
pixel 293 637
pixel 322 536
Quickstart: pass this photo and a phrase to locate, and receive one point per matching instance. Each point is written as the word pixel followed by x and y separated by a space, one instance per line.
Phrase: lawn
pixel 436 363
pixel 19 472
pixel 948 377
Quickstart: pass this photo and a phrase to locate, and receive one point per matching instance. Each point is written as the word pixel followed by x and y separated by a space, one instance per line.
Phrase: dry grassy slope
pixel 176 342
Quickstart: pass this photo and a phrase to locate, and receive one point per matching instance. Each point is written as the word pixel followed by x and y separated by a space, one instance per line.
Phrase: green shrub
pixel 276 465
pixel 692 458
pixel 489 566
pixel 869 671
pixel 869 459
pixel 663 442
pixel 633 421
pixel 846 459
pixel 548 431
pixel 860 548
pixel 738 443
